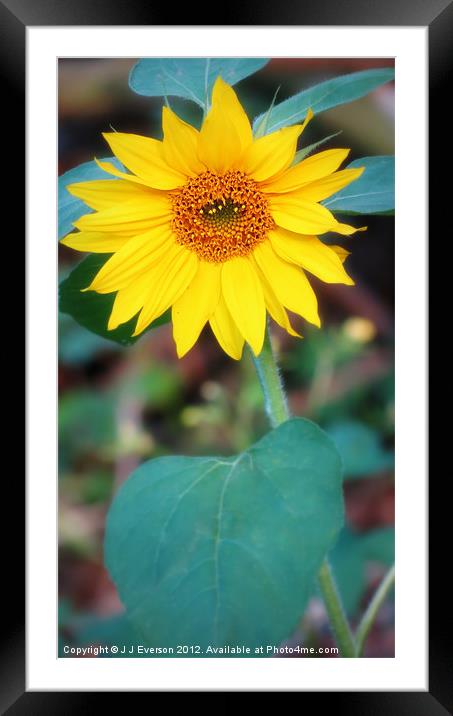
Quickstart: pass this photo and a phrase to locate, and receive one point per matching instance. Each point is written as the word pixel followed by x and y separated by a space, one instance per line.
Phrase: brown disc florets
pixel 220 217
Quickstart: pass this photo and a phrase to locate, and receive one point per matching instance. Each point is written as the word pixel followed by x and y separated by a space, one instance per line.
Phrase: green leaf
pixel 91 309
pixel 69 207
pixel 372 193
pixel 224 551
pixel 189 77
pixel 325 95
pixel 360 448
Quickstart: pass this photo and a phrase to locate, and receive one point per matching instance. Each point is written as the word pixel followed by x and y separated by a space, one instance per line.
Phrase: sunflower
pixel 216 224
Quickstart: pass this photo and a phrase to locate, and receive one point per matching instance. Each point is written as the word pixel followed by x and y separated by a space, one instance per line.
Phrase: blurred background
pixel 121 406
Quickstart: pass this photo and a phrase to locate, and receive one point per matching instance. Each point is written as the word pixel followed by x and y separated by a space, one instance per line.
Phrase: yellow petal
pixel 226 331
pixel 94 242
pixel 273 153
pixel 226 131
pixel 144 157
pixel 346 230
pixel 128 301
pixel 301 216
pixel 111 169
pixel 315 167
pixel 288 282
pixel 167 280
pixel 194 307
pixel 131 217
pixel 135 258
pixel 341 252
pixel 310 253
pixel 180 144
pixel 275 308
pixel 105 193
pixel 322 188
pixel 244 298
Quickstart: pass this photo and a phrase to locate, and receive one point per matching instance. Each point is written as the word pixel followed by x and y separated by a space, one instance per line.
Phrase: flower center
pixel 220 217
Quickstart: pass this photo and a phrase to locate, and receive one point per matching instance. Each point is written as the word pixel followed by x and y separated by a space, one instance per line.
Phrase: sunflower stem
pixel 266 366
pixel 278 412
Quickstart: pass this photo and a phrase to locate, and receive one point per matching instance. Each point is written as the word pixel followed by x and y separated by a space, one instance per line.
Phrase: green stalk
pixel 269 376
pixel 368 618
pixel 277 410
pixel 338 621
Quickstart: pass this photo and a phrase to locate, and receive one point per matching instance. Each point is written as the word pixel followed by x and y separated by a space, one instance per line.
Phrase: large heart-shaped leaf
pixel 91 309
pixel 325 95
pixel 213 551
pixel 372 193
pixel 189 77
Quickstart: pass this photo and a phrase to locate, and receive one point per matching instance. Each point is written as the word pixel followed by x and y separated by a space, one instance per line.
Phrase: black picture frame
pixel 437 15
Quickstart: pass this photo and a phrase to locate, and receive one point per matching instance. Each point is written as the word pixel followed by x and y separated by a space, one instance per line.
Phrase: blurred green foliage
pixel 337 353
pixel 361 449
pixel 351 556
pixel 86 426
pixel 76 345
